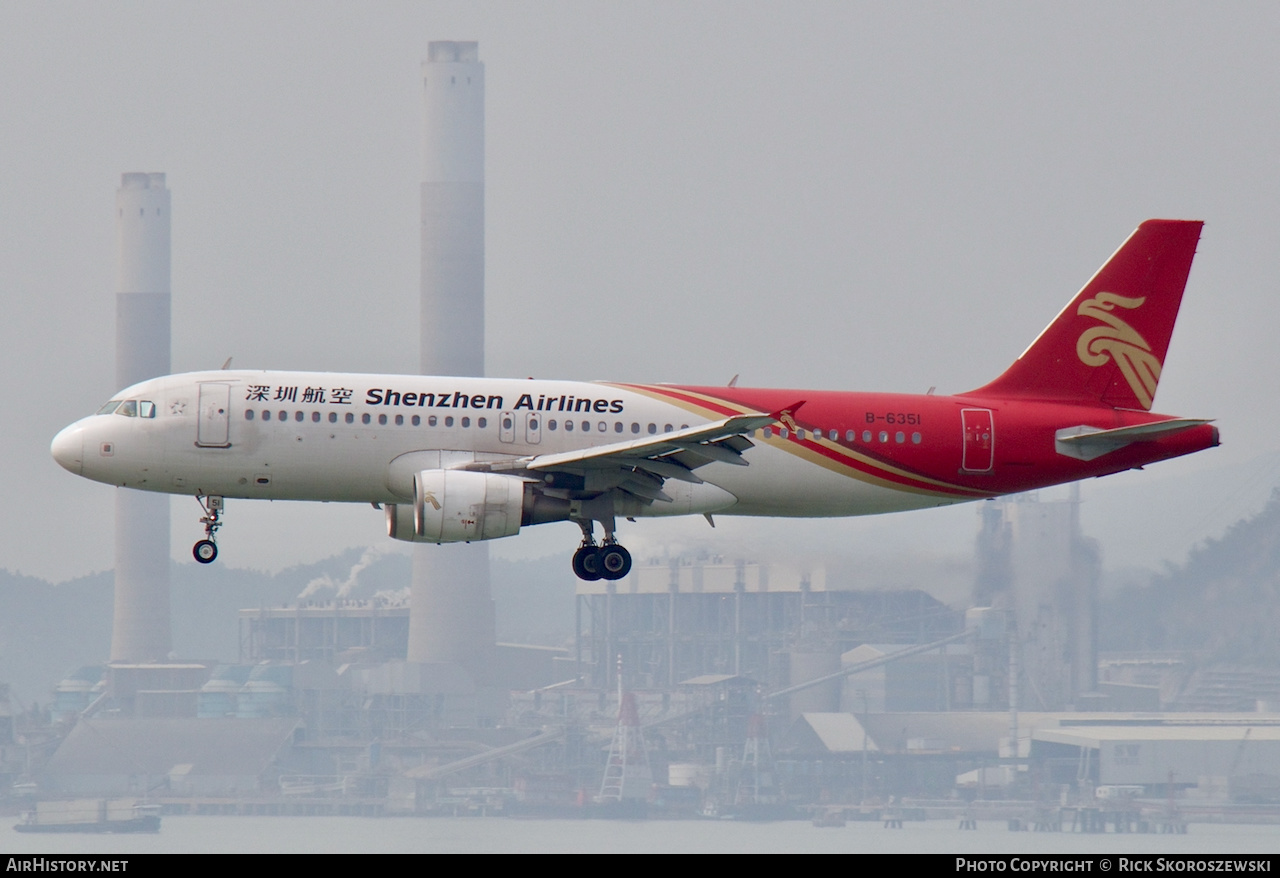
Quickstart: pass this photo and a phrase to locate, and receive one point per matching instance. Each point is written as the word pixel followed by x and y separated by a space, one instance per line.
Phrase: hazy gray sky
pixel 838 195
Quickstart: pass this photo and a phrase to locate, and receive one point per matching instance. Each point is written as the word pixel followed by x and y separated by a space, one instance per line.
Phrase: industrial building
pixel 675 619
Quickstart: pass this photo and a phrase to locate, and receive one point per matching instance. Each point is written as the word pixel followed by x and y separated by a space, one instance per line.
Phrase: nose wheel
pixel 206 550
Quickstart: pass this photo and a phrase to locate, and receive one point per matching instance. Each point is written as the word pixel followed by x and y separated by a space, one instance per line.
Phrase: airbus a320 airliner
pixel 462 459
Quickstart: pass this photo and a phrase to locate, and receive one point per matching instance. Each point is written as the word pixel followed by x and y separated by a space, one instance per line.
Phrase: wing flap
pixel 640 467
pixel 698 439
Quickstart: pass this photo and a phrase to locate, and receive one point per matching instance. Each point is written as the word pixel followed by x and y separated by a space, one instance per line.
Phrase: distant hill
pixel 47 630
pixel 1223 604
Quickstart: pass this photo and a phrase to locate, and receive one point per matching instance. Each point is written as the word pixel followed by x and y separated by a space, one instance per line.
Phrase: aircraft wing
pixel 640 466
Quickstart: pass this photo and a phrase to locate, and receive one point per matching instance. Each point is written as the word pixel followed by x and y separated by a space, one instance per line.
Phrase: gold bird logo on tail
pixel 1120 342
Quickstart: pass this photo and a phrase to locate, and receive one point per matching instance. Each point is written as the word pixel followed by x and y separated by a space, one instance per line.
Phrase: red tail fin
pixel 1108 345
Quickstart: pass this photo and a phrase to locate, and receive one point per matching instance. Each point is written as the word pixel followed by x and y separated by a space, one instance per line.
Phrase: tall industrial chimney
pixel 451 609
pixel 140 630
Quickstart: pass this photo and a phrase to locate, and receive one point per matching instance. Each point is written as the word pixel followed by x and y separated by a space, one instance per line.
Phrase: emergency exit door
pixel 979 440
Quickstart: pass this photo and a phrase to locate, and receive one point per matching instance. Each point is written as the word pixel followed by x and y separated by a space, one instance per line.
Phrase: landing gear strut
pixel 608 561
pixel 206 550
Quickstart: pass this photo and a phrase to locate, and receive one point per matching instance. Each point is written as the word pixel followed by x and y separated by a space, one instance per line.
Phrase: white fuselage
pixel 360 438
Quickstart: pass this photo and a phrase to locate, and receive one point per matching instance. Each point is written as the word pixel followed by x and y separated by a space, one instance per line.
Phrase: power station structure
pixel 141 622
pixel 1034 562
pixel 452 615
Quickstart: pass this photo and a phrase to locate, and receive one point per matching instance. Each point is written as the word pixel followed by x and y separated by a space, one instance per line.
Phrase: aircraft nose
pixel 68 449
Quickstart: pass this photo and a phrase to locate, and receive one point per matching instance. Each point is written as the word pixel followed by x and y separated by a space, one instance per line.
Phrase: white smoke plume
pixel 344 589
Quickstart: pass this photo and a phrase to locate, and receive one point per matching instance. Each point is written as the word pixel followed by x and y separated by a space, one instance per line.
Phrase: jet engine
pixel 453 506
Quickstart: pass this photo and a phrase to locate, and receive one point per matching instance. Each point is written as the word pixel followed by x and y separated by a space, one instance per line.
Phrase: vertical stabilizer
pixel 1108 345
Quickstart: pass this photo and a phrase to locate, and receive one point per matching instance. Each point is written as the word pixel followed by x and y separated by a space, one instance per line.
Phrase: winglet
pixel 786 414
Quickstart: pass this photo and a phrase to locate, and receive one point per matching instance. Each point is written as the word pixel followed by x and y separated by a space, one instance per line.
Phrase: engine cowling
pixel 453 506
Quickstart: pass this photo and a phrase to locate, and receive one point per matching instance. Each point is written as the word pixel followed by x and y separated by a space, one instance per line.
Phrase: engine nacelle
pixel 453 506
pixel 400 521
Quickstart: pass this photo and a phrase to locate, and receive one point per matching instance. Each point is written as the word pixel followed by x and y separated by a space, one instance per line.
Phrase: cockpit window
pixel 128 408
pixel 109 407
pixel 146 409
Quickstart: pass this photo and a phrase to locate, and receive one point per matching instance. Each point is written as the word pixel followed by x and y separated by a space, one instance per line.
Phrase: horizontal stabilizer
pixel 1086 443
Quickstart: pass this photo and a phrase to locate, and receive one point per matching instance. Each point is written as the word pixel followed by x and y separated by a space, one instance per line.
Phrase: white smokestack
pixel 451 610
pixel 140 630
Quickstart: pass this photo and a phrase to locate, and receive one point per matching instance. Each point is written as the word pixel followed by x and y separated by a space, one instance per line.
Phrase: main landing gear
pixel 206 550
pixel 606 561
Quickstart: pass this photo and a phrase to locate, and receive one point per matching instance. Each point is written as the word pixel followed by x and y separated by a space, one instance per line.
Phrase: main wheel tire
pixel 586 563
pixel 614 562
pixel 205 551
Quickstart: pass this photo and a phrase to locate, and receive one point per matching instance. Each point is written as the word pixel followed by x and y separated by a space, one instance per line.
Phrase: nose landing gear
pixel 206 550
